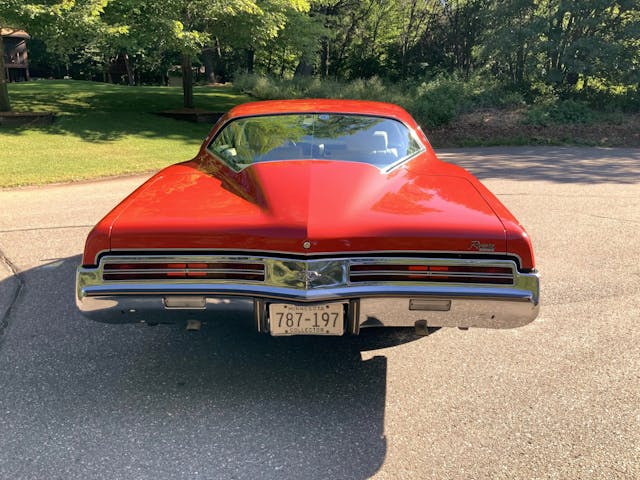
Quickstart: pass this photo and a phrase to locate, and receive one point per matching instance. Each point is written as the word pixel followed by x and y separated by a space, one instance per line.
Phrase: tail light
pixel 430 273
pixel 182 271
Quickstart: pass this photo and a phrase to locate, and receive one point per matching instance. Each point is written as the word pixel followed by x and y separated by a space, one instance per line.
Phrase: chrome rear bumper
pixel 368 304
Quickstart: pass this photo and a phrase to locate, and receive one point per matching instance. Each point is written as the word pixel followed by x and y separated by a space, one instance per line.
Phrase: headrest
pixel 379 141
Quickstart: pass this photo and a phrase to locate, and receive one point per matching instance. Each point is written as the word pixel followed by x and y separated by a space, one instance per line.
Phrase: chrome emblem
pixel 482 247
pixel 310 277
pixel 308 274
pixel 306 244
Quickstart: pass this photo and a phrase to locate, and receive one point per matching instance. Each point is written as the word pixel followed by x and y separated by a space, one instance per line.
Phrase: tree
pixel 65 24
pixel 296 46
pixel 414 17
pixel 5 103
pixel 586 38
pixel 252 31
pixel 567 44
pixel 191 25
pixel 510 42
pixel 8 22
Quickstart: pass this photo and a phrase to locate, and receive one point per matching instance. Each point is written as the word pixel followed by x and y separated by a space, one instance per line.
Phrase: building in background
pixel 15 54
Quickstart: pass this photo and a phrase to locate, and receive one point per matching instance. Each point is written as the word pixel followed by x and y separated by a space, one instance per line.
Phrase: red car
pixel 331 215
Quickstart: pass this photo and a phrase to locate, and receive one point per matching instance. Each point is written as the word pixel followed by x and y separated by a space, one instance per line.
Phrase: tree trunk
pixel 106 71
pixel 348 38
pixel 520 56
pixel 208 55
pixel 283 64
pixel 127 66
pixel 5 104
pixel 251 56
pixel 304 68
pixel 324 58
pixel 187 81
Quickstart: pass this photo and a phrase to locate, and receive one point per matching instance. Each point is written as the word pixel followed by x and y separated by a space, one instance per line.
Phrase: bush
pixel 495 96
pixel 267 88
pixel 554 112
pixel 434 103
pixel 437 103
pixel 608 100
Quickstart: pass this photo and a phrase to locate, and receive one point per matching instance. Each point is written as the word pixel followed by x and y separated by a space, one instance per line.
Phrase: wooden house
pixel 15 54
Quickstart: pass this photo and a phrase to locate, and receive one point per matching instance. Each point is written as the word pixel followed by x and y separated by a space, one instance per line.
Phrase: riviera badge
pixel 482 247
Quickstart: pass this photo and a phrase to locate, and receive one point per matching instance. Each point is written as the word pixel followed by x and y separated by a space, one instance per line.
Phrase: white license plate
pixel 322 319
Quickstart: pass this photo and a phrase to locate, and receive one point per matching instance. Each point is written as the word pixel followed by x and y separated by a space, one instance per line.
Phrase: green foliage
pixel 502 52
pixel 270 88
pixel 434 102
pixel 553 112
pixel 606 98
pixel 495 95
pixel 439 102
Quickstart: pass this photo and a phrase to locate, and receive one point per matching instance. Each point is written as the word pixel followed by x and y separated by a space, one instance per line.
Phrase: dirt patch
pixel 192 115
pixel 508 127
pixel 27 118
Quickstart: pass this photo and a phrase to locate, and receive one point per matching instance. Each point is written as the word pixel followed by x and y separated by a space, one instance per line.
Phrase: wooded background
pixel 587 50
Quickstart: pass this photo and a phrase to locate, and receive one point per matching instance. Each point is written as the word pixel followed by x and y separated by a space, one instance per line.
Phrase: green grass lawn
pixel 101 130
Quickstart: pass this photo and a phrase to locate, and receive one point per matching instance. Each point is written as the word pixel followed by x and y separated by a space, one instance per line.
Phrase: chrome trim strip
pixel 137 271
pixel 301 295
pixel 287 272
pixel 422 254
pixel 260 315
pixel 353 311
pixel 400 162
pixel 427 275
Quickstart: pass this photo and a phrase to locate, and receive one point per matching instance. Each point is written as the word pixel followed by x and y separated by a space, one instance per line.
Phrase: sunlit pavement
pixel 559 398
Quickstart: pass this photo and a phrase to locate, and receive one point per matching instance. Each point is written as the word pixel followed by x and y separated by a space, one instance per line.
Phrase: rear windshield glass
pixel 378 141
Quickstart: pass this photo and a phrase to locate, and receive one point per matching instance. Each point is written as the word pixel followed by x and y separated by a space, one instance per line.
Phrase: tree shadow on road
pixel 88 400
pixel 552 164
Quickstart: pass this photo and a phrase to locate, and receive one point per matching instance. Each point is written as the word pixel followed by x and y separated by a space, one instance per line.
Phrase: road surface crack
pixel 35 229
pixel 608 218
pixel 15 271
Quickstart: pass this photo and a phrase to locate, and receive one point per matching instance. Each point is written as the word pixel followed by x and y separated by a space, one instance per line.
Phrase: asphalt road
pixel 559 398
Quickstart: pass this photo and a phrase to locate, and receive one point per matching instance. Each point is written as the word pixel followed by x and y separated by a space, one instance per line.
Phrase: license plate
pixel 322 319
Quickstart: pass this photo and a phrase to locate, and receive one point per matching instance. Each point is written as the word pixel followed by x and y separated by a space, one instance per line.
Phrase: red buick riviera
pixel 330 215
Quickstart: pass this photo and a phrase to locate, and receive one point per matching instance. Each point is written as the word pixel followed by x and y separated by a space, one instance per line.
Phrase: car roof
pixel 361 107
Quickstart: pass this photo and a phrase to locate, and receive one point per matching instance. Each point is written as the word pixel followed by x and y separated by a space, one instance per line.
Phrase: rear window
pixel 378 141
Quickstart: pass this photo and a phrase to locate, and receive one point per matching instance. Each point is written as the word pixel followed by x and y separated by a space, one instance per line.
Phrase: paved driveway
pixel 559 398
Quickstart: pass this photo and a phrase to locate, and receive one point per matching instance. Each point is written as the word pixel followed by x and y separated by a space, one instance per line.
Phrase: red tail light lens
pixel 430 273
pixel 195 270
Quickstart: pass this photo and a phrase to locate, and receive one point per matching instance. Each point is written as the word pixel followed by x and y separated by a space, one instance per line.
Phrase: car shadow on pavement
pixel 552 164
pixel 88 400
